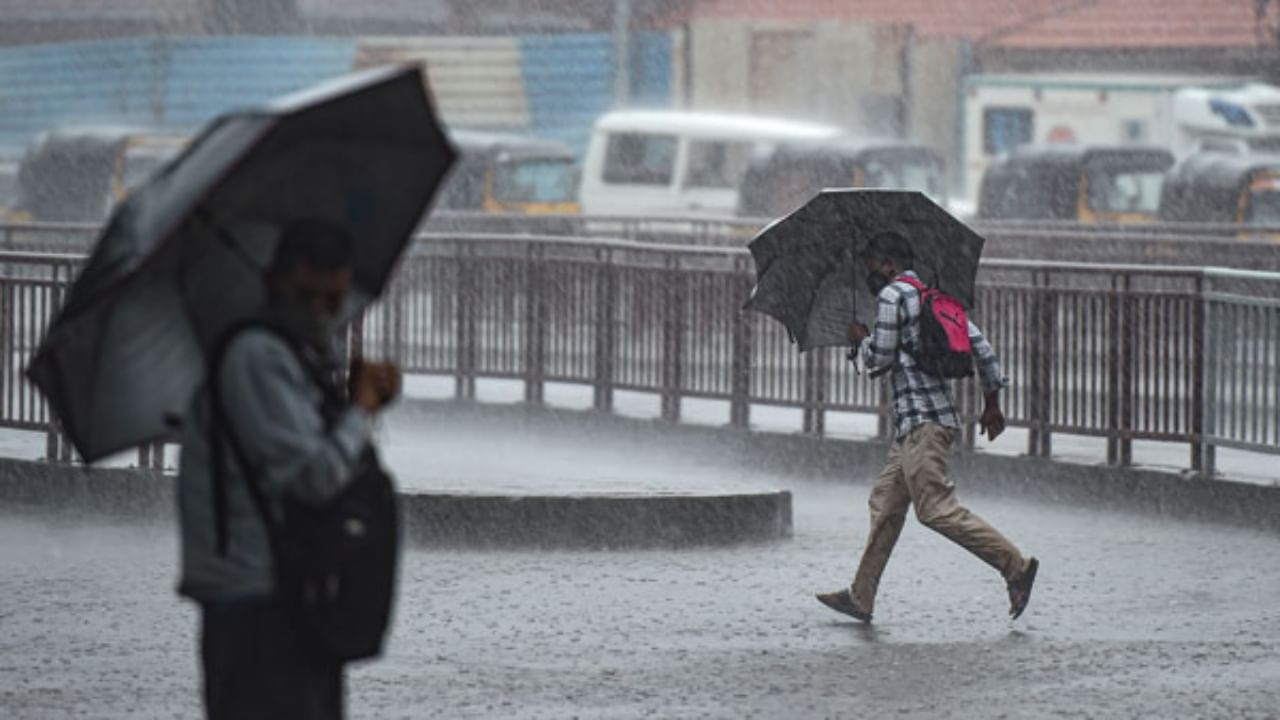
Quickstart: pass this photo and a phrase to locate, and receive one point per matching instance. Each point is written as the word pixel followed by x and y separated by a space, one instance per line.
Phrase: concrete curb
pixel 581 521
pixel 596 521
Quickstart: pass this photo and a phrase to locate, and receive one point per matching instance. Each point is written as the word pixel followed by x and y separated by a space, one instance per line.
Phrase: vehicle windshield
pixel 905 173
pixel 542 180
pixel 1263 207
pixel 1125 189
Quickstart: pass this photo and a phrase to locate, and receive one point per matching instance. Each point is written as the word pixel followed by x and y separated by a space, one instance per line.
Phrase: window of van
pixel 1005 128
pixel 640 159
pixel 717 164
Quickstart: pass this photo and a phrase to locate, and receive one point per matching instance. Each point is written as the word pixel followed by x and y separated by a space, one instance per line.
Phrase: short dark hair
pixel 318 244
pixel 893 245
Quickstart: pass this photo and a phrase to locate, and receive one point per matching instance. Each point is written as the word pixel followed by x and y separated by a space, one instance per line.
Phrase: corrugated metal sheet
pixel 208 76
pixel 110 82
pixel 477 82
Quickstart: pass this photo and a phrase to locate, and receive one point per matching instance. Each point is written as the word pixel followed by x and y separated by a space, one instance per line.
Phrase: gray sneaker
pixel 842 601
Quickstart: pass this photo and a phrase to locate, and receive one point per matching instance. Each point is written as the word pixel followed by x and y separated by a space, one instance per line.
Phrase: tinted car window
pixel 640 159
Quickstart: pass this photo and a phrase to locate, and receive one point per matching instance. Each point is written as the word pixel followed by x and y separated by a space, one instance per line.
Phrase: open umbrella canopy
pixel 182 259
pixel 809 269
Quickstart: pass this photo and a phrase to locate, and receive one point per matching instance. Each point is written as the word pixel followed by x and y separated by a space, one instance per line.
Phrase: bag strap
pixel 222 437
pixel 222 433
pixel 912 282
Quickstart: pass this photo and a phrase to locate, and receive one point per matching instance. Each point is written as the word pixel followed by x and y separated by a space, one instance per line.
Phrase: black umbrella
pixel 809 271
pixel 181 260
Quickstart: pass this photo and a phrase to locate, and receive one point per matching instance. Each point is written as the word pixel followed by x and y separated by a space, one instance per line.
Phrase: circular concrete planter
pixel 595 520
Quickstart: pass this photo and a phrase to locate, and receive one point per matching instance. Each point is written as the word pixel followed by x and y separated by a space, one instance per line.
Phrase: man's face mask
pixel 311 301
pixel 879 277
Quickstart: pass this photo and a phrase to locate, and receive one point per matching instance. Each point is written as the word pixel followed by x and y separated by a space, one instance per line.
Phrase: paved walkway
pixel 1131 618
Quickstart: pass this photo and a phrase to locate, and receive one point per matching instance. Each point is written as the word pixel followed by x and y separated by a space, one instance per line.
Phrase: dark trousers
pixel 257 664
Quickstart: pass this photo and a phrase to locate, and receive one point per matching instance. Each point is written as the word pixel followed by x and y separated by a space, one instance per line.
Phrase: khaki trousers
pixel 916 474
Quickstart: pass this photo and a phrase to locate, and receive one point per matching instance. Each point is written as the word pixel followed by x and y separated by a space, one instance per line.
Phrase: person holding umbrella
pixel 271 423
pixel 207 311
pixel 927 425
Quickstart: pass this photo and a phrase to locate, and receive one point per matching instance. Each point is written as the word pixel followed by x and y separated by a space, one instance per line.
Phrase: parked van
pixel 668 162
pixel 1221 188
pixel 510 174
pixel 1074 183
pixel 80 175
pixel 780 181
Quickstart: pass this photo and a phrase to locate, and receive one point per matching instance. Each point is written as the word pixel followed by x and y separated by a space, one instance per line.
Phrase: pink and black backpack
pixel 944 349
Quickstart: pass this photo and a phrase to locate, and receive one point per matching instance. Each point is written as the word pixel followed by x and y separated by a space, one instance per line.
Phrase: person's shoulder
pixel 895 290
pixel 257 345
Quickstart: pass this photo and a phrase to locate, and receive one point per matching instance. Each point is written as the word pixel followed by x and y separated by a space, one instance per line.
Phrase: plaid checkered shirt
pixel 919 397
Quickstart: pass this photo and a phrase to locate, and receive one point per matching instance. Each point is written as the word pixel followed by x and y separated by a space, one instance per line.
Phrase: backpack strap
pixel 912 282
pixel 222 437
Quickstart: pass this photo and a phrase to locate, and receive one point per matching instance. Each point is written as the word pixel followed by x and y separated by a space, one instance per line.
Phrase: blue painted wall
pixel 168 83
pixel 180 83
pixel 569 80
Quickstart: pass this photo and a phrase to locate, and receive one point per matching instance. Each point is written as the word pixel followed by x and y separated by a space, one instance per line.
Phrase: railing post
pixel 606 330
pixel 1040 393
pixel 1114 362
pixel 151 456
pixel 1048 326
pixel 1128 338
pixel 1208 368
pixel 808 394
pixel 535 323
pixel 819 382
pixel 465 337
pixel 741 354
pixel 672 341
pixel 1198 348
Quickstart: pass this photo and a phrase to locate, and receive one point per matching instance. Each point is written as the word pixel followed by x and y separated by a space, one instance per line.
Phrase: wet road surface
pixel 1131 617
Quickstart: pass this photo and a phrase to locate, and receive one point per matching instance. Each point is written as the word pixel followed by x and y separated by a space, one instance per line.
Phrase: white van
pixel 681 163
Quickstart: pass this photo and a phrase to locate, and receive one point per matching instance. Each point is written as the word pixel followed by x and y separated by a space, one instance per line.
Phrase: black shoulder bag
pixel 335 564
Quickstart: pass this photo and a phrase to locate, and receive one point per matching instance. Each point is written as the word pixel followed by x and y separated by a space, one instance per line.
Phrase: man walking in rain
pixel 257 658
pixel 927 425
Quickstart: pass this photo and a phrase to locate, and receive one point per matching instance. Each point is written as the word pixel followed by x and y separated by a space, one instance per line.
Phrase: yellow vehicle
pixel 80 175
pixel 1223 188
pixel 786 177
pixel 1085 184
pixel 511 174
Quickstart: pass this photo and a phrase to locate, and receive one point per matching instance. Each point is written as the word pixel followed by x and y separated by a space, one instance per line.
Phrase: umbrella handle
pixel 855 356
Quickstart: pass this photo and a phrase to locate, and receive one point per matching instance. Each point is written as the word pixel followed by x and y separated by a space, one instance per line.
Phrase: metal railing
pixel 1164 244
pixel 1119 352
